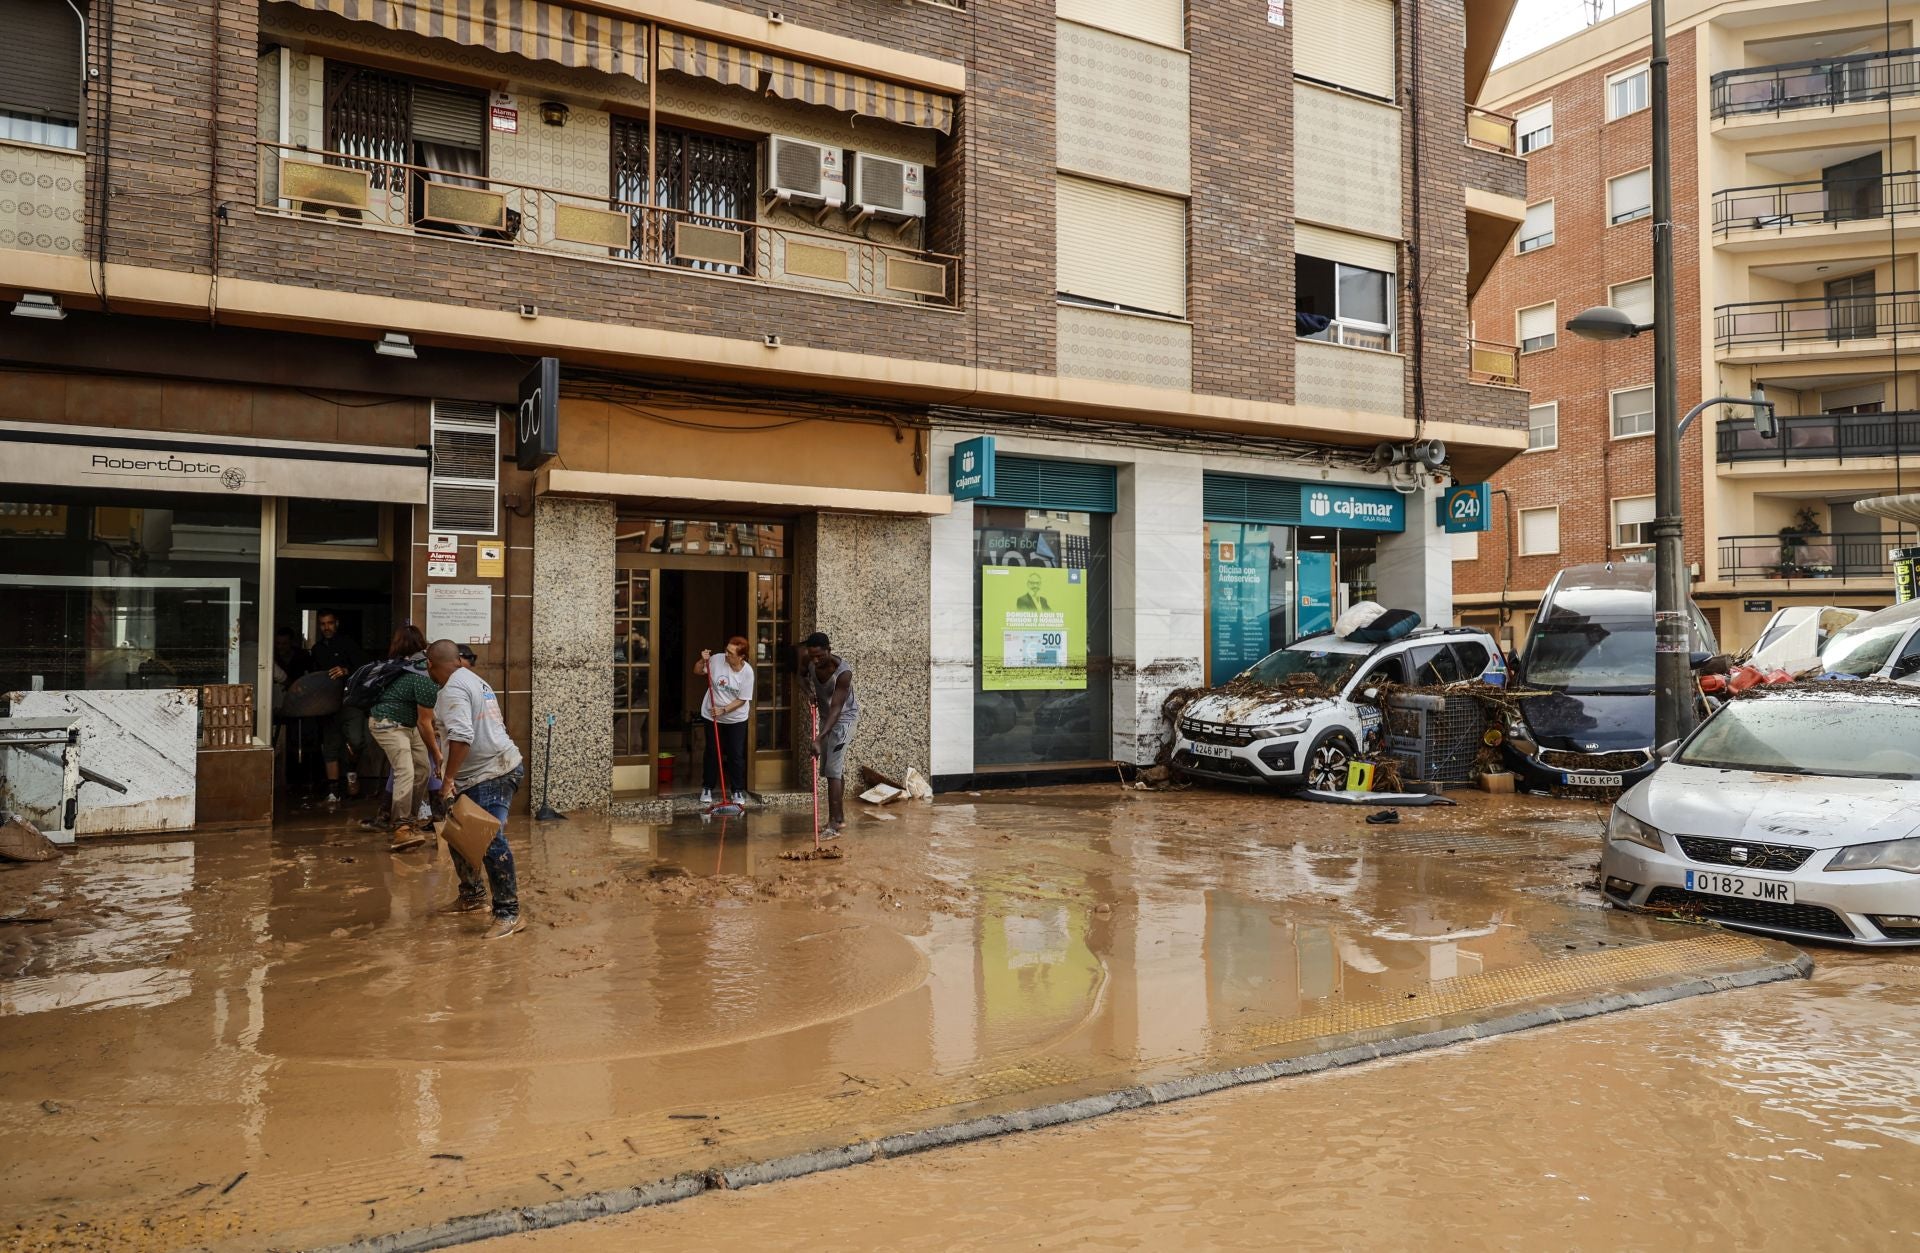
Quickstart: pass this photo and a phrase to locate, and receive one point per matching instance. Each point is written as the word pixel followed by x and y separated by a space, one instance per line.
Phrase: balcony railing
pixel 1833 201
pixel 1850 556
pixel 1490 130
pixel 1816 319
pixel 1822 437
pixel 1488 362
pixel 492 212
pixel 1821 84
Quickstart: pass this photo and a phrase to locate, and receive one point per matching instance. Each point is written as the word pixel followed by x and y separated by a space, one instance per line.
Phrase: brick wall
pixel 1497 172
pixel 1589 468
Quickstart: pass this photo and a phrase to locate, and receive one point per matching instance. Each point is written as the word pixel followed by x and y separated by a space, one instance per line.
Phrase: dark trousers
pixel 496 797
pixel 733 744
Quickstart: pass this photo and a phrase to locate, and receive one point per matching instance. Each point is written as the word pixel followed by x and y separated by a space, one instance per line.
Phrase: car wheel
pixel 1327 762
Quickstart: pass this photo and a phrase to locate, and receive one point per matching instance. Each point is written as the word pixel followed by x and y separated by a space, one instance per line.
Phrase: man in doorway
pixel 481 761
pixel 343 733
pixel 829 681
pixel 1033 601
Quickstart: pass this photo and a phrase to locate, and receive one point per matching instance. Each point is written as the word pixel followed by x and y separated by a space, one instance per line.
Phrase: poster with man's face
pixel 1033 629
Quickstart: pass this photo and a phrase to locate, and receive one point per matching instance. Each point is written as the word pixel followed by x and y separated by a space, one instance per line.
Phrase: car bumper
pixel 1274 763
pixel 1535 776
pixel 1830 908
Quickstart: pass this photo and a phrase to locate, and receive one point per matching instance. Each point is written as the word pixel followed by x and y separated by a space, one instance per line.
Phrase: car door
pixel 1389 669
pixel 1905 663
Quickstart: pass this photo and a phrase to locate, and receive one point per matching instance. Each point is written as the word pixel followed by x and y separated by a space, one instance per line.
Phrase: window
pixel 1634 299
pixel 1474 658
pixel 1633 522
pixel 1629 197
pixel 1633 412
pixel 1435 665
pixel 1543 427
pixel 1119 248
pixel 384 122
pixel 1537 230
pixel 1534 127
pixel 1343 304
pixel 40 73
pixel 1537 328
pixel 1627 92
pixel 1540 531
pixel 1344 43
pixel 709 177
pixel 1466 545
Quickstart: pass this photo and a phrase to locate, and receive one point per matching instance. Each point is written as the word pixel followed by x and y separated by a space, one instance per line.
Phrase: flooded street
pixel 1772 1118
pixel 271 1039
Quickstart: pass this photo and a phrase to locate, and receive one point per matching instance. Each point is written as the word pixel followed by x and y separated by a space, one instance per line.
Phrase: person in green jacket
pixel 401 723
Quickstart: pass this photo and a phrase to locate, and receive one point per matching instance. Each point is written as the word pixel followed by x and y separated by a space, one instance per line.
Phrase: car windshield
pixel 1591 655
pixel 1331 668
pixel 1861 650
pixel 1855 739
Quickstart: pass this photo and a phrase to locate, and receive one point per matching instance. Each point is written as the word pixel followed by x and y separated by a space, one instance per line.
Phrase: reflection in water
pixel 110 916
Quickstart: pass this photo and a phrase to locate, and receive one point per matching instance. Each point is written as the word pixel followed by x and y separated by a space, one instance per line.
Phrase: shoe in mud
pixel 739 800
pixel 333 802
pixel 406 838
pixel 706 796
pixel 381 823
pixel 463 905
pixel 504 927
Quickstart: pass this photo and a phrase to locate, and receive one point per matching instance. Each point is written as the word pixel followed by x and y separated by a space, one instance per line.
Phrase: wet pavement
pixel 255 1039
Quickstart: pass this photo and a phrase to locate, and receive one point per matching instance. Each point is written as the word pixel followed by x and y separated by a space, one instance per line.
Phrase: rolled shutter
pixel 40 59
pixel 1245 498
pixel 1361 250
pixel 1346 43
pixel 1161 21
pixel 1630 192
pixel 1070 486
pixel 1537 322
pixel 441 116
pixel 1539 221
pixel 1122 247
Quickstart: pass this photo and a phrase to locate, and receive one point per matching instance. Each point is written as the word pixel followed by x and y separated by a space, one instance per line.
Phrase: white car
pixel 1881 645
pixel 1794 811
pixel 1306 742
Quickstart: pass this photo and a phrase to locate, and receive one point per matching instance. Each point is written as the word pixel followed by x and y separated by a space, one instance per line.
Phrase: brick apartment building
pixel 1794 132
pixel 597 332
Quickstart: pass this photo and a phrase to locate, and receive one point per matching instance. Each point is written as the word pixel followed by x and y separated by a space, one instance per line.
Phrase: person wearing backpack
pixel 400 719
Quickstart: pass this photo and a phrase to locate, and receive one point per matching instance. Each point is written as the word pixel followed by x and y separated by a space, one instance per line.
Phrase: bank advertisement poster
pixel 1240 602
pixel 1033 629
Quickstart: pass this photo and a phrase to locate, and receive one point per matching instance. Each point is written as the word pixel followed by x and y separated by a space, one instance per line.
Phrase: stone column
pixel 1414 570
pixel 573 651
pixel 1159 597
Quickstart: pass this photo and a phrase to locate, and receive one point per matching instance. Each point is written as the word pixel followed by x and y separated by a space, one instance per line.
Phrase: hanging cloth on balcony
pixel 528 28
pixel 788 79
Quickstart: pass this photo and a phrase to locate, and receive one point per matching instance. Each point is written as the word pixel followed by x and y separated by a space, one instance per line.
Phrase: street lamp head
pixel 1605 323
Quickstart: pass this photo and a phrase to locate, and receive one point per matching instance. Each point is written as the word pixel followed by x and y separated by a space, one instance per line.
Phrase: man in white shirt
pixel 482 762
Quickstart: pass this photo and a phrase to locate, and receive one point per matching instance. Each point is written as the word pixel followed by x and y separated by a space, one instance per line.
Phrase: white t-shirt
pixel 731 685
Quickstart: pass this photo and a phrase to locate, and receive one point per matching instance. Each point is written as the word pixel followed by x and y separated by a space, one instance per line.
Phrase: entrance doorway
pixel 681 586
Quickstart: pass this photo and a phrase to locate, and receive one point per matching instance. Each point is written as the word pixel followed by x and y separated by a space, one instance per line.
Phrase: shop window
pixel 1250 594
pixel 40 73
pixel 1343 304
pixel 710 179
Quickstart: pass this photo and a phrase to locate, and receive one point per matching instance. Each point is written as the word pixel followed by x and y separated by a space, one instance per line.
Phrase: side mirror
pixel 1666 751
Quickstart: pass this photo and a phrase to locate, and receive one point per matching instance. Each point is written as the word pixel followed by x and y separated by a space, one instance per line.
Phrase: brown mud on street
pixel 1780 1118
pixel 268 1039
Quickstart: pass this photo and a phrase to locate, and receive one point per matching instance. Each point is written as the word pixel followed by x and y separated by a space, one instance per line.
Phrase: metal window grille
pixel 711 178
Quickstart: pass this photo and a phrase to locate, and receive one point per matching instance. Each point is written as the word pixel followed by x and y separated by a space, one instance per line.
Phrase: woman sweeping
pixel 726 708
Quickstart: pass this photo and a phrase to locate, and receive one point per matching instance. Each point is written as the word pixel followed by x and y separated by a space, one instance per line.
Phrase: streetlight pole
pixel 1673 674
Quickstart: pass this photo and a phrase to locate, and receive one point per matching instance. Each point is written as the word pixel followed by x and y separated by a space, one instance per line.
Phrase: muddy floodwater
pixel 1784 1117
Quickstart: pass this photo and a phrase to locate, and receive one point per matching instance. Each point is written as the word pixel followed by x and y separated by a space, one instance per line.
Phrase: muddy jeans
pixel 407 754
pixel 495 796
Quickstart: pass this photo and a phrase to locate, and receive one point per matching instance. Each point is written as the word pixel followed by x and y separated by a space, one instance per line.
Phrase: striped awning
pixel 528 28
pixel 798 80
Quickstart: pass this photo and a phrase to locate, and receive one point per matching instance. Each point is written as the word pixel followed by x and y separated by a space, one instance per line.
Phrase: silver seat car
pixel 1795 812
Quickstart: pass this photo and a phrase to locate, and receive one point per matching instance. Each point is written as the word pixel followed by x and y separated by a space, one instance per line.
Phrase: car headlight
pixel 1627 829
pixel 1520 737
pixel 1280 732
pixel 1892 855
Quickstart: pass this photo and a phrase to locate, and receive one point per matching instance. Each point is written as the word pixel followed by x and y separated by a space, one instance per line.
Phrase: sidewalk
pixel 267 1040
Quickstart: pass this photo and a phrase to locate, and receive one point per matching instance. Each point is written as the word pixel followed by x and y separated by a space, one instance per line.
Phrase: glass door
pixel 634 645
pixel 773 684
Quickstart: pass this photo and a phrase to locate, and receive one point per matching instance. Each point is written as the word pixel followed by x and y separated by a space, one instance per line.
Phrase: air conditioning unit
pixel 800 171
pixel 888 188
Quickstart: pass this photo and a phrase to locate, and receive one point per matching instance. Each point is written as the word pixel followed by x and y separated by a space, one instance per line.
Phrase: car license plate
pixel 1593 780
pixel 1772 891
pixel 1212 750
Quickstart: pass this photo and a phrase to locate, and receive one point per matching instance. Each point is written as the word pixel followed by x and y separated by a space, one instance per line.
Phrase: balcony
pixel 1488 362
pixel 1491 131
pixel 1759 330
pixel 1815 209
pixel 344 190
pixel 1848 556
pixel 1821 437
pixel 1829 85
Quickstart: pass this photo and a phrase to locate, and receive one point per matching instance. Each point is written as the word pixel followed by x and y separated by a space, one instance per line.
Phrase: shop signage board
pixel 970 469
pixel 461 612
pixel 1758 606
pixel 536 423
pixel 490 561
pixel 1906 573
pixel 1464 508
pixel 1241 574
pixel 1352 508
pixel 443 556
pixel 1033 629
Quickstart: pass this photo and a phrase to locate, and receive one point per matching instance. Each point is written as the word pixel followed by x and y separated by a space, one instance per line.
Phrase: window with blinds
pixel 1633 412
pixel 463 490
pixel 1534 127
pixel 1538 328
pixel 1347 43
pixel 1543 427
pixel 1539 531
pixel 1634 299
pixel 1119 248
pixel 1158 21
pixel 1537 230
pixel 40 73
pixel 1344 288
pixel 1629 197
pixel 1633 522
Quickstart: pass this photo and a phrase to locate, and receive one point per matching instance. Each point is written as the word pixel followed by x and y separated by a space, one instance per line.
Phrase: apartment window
pixel 1343 303
pixel 710 178
pixel 1466 545
pixel 1634 299
pixel 1543 427
pixel 1119 248
pixel 383 123
pixel 1538 328
pixel 1158 21
pixel 1633 412
pixel 1629 197
pixel 1534 127
pixel 1540 531
pixel 1627 92
pixel 40 73
pixel 1537 230
pixel 1344 43
pixel 1633 522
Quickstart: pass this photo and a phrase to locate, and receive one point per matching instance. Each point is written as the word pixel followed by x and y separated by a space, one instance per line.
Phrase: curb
pixel 614 1201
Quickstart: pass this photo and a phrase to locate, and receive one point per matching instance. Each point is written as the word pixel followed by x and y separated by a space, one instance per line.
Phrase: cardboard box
pixel 468 831
pixel 1500 783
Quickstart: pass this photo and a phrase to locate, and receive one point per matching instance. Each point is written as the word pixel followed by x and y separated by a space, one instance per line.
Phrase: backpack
pixel 370 682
